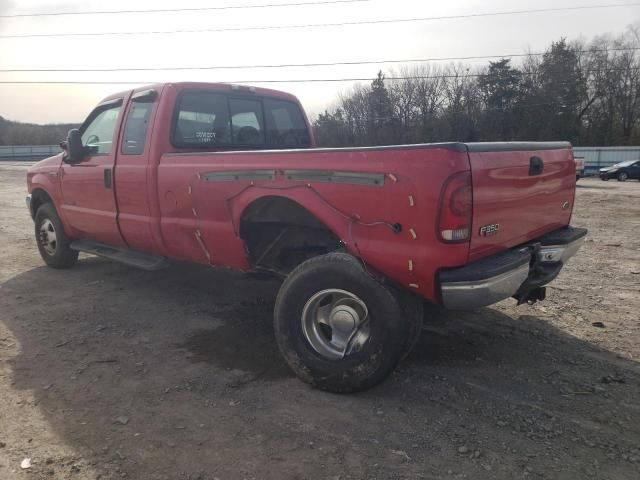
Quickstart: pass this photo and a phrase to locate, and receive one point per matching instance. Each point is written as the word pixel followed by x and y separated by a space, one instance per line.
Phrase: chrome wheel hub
pixel 48 238
pixel 335 323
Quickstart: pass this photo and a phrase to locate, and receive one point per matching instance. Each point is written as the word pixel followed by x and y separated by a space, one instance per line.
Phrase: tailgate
pixel 520 192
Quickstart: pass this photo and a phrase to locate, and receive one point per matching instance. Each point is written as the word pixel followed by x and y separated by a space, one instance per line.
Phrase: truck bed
pixel 378 186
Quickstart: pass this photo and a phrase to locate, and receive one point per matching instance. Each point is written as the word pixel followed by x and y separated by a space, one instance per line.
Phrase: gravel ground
pixel 110 372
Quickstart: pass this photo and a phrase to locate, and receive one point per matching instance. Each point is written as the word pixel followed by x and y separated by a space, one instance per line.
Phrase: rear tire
pixel 52 242
pixel 338 328
pixel 413 311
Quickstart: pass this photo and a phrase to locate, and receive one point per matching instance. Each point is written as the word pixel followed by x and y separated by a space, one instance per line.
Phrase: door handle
pixel 108 178
pixel 536 166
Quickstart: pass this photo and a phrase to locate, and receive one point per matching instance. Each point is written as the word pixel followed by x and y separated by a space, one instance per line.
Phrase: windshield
pixel 625 164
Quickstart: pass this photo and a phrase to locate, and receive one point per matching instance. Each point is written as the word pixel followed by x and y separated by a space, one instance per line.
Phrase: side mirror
pixel 75 150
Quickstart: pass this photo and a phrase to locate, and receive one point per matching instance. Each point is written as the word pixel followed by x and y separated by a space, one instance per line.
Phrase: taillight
pixel 454 219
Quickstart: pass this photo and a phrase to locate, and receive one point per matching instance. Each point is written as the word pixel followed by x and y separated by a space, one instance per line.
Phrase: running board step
pixel 122 255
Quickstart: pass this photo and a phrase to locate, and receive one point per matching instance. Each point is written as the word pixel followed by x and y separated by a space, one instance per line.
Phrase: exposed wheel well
pixel 38 198
pixel 280 234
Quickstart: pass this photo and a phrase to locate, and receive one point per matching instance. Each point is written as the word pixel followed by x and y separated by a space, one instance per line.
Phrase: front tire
pixel 338 328
pixel 623 176
pixel 52 242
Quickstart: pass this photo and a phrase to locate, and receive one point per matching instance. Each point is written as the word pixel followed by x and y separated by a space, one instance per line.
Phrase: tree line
pixel 587 93
pixel 17 133
pixel 584 92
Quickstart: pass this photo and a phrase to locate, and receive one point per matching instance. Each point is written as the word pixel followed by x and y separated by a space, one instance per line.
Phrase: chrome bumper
pixel 560 253
pixel 504 275
pixel 480 293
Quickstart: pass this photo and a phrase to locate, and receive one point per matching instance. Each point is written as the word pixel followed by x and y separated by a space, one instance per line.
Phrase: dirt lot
pixel 109 372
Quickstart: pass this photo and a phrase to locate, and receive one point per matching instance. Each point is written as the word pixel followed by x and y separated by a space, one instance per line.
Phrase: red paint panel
pixel 525 206
pixel 135 184
pixel 88 204
pixel 215 208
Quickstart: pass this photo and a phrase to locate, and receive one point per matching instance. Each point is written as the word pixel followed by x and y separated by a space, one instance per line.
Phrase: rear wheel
pixel 338 328
pixel 413 311
pixel 52 242
pixel 623 176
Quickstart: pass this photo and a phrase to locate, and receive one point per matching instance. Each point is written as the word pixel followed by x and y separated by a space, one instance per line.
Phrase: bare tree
pixel 627 63
pixel 585 92
pixel 403 93
pixel 355 106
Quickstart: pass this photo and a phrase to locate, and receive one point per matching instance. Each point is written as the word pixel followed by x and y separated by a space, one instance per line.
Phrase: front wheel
pixel 338 328
pixel 53 244
pixel 623 176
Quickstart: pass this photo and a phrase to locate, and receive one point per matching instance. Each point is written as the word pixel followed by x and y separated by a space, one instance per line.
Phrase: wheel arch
pixel 280 232
pixel 39 196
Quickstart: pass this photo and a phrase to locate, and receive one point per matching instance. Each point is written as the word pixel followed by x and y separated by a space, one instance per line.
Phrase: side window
pixel 206 119
pixel 285 124
pixel 246 122
pixel 202 120
pixel 98 135
pixel 135 128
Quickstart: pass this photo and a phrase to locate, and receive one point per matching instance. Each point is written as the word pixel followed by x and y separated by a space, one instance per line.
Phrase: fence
pixel 28 152
pixel 598 157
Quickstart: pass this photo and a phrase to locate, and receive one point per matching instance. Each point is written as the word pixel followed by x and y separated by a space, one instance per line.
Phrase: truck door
pixel 135 174
pixel 89 204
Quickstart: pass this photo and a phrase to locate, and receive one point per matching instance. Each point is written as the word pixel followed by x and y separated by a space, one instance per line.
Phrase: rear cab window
pixel 247 122
pixel 205 119
pixel 286 125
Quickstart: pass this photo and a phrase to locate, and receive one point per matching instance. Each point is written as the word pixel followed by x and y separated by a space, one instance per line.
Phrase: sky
pixel 458 37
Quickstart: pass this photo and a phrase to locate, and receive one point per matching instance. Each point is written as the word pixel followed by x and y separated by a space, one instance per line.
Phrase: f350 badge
pixel 488 230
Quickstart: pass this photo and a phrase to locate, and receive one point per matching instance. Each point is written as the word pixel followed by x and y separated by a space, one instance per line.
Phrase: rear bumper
pixel 513 273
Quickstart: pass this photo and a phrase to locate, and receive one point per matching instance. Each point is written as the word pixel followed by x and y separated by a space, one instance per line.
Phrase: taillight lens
pixel 454 220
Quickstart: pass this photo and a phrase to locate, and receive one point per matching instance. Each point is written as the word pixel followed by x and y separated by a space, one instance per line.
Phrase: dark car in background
pixel 622 171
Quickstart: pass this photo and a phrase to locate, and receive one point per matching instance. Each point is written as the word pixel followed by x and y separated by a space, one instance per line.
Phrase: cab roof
pixel 222 87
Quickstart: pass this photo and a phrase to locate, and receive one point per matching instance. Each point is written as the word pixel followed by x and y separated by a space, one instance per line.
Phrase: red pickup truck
pixel 229 176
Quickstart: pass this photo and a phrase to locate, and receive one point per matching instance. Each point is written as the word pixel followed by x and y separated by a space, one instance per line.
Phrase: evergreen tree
pixel 499 89
pixel 381 120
